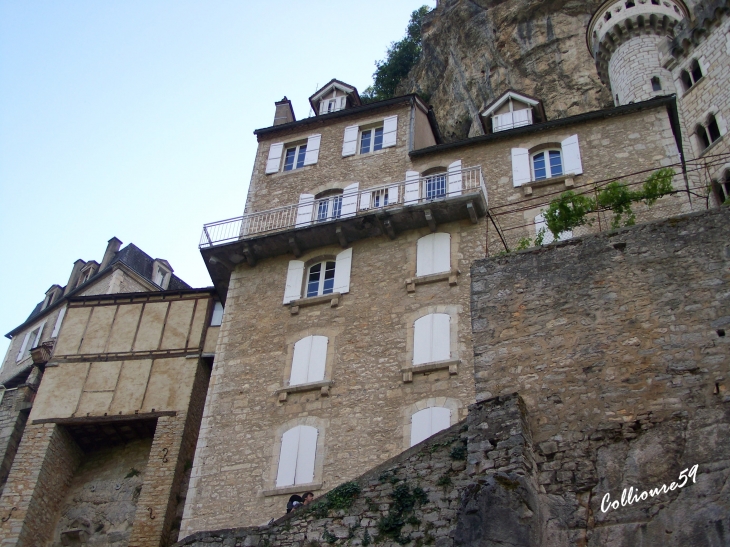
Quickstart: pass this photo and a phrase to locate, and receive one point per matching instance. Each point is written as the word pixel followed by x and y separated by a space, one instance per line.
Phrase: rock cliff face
pixel 474 50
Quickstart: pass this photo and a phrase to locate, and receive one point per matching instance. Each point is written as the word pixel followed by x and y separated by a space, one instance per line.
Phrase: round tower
pixel 624 37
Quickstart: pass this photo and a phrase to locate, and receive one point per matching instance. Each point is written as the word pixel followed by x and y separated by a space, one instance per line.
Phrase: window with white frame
pixel 435 186
pixel 322 277
pixel 288 157
pixel 309 360
pixel 364 139
pixel 328 206
pixel 31 340
pixel 432 339
pixel 428 422
pixel 547 164
pixel 217 318
pixel 297 456
pixel 371 140
pixel 529 166
pixel 433 254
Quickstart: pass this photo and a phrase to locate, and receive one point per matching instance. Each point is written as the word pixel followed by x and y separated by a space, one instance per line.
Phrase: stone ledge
pixel 451 364
pixel 297 489
pixel 332 298
pixel 568 180
pixel 323 386
pixel 451 277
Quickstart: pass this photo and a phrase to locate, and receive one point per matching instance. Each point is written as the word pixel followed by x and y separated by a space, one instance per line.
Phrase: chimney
pixel 111 249
pixel 74 276
pixel 284 112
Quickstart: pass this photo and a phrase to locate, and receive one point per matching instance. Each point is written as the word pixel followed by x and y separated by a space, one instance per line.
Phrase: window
pixel 435 186
pixel 217 318
pixel 328 206
pixel 321 278
pixel 656 84
pixel 692 76
pixel 432 339
pixel 708 133
pixel 294 158
pixel 59 320
pixel 297 456
pixel 724 187
pixel 433 254
pixel 547 164
pixel 309 360
pixel 428 422
pixel 544 164
pixel 371 140
pixel 31 340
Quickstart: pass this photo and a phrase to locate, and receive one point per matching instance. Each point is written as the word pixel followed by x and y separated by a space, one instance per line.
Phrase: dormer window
pixel 52 295
pixel 161 273
pixel 334 96
pixel 87 272
pixel 512 110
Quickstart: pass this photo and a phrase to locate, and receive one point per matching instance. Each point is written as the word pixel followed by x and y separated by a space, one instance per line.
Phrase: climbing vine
pixel 341 497
pixel 405 501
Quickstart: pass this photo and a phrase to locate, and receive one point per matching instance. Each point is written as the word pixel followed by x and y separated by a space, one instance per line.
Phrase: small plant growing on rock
pixel 341 497
pixel 458 452
pixel 444 480
pixel 404 502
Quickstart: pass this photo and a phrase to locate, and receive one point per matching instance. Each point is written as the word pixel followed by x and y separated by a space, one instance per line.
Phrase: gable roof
pixel 334 84
pixel 507 95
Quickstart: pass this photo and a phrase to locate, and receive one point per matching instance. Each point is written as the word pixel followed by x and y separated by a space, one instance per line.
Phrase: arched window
pixel 656 84
pixel 696 70
pixel 725 185
pixel 309 360
pixel 433 254
pixel 707 133
pixel 712 129
pixel 432 339
pixel 297 455
pixel 702 137
pixel 429 421
pixel 686 79
pixel 328 205
pixel 547 164
pixel 691 77
pixel 321 278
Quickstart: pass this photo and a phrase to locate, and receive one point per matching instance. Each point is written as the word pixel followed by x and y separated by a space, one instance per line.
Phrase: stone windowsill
pixel 713 145
pixel 451 364
pixel 697 84
pixel 568 180
pixel 451 276
pixel 282 173
pixel 357 156
pixel 323 387
pixel 333 299
pixel 297 489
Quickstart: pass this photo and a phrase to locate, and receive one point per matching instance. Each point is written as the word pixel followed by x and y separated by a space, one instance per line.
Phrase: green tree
pixel 400 58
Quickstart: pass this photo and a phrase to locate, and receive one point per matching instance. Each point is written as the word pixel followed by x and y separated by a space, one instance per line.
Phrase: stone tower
pixel 624 37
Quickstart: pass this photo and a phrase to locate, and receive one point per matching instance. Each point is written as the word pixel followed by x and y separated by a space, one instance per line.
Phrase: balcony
pixel 342 218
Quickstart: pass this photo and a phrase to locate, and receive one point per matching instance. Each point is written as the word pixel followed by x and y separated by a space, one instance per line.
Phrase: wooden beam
pixel 389 228
pixel 249 255
pixel 430 219
pixel 294 247
pixel 341 236
pixel 472 212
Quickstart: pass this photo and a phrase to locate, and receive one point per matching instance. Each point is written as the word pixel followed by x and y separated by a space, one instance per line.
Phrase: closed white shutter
pixel 539 225
pixel 59 320
pixel 274 160
pixel 300 361
pixel 294 278
pixel 306 455
pixel 424 256
pixel 288 458
pixel 440 419
pixel 502 122
pixel 433 254
pixel 441 337
pixel 217 317
pixel 454 175
pixel 422 329
pixel 412 190
pixel 393 195
pixel 343 265
pixel 312 154
pixel 390 127
pixel 520 166
pixel 349 200
pixel 323 106
pixel 349 144
pixel 420 426
pixel 522 117
pixel 571 156
pixel 341 102
pixel 304 210
pixel 21 353
pixel 317 359
pixel 365 200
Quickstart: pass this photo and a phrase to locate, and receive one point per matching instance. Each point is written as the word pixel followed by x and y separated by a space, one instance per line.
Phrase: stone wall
pixel 13 418
pixel 632 67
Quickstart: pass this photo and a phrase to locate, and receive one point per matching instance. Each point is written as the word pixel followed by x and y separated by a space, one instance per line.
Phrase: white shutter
pixel 441 252
pixel 349 144
pixel 412 191
pixel 304 210
pixel 312 154
pixel 288 458
pixel 539 225
pixel 420 426
pixel 502 122
pixel 349 201
pixel 365 200
pixel 567 234
pixel 393 195
pixel 390 126
pixel 343 266
pixel 424 256
pixel 294 277
pixel 317 358
pixel 272 164
pixel 323 106
pixel 440 419
pixel 306 454
pixel 571 156
pixel 217 317
pixel 300 361
pixel 455 178
pixel 59 320
pixel 341 102
pixel 522 117
pixel 421 340
pixel 21 353
pixel 440 337
pixel 520 166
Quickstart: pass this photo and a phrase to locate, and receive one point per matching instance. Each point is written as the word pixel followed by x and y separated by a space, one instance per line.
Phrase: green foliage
pixel 366 539
pixel 444 480
pixel 567 212
pixel 400 58
pixel 618 198
pixel 657 185
pixel 404 502
pixel 328 537
pixel 458 452
pixel 341 497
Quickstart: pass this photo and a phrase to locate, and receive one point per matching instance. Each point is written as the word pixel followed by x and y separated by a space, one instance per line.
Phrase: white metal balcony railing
pixel 348 204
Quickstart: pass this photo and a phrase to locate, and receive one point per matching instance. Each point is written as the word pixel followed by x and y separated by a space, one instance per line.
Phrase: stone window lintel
pixel 451 276
pixel 568 180
pixel 323 387
pixel 451 364
pixel 332 298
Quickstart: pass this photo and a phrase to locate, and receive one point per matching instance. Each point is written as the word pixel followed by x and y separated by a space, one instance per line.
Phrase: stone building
pixel 108 441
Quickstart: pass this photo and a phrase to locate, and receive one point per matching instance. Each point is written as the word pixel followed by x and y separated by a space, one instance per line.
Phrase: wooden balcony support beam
pixel 429 218
pixel 294 247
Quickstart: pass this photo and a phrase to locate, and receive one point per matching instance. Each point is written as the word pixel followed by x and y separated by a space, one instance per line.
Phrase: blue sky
pixel 135 119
